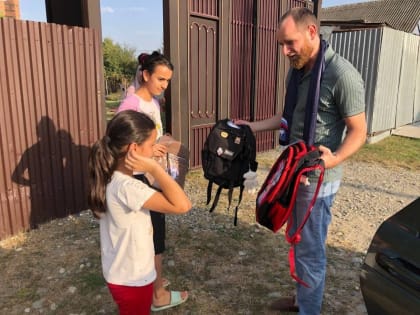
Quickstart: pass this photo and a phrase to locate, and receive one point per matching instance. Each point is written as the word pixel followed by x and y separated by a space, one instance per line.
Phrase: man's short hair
pixel 301 16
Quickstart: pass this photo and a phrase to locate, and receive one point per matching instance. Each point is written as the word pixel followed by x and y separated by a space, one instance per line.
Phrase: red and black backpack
pixel 277 196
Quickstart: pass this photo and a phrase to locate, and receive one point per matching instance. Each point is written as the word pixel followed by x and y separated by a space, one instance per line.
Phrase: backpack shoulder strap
pixel 295 237
pixel 209 189
pixel 251 148
pixel 216 198
pixel 235 219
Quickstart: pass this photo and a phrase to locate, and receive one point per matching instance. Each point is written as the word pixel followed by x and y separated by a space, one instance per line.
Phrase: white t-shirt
pixel 150 108
pixel 126 233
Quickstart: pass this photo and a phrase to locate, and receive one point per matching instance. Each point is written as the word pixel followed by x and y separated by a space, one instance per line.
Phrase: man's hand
pixel 329 158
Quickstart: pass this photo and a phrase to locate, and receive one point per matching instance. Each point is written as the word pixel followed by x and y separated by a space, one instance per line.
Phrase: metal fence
pixel 52 97
pixel 52 110
pixel 389 62
pixel 256 70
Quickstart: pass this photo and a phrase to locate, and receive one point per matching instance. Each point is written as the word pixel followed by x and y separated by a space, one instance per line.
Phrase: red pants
pixel 132 300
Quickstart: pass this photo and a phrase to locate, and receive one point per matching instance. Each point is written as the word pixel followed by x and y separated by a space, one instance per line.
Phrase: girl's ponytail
pixel 101 164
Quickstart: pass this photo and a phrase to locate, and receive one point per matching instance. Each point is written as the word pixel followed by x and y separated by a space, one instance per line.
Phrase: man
pixel 341 105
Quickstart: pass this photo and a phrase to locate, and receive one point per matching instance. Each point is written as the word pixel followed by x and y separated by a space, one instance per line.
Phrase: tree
pixel 119 64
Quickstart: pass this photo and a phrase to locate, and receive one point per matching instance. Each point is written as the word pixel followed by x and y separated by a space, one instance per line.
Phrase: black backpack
pixel 228 153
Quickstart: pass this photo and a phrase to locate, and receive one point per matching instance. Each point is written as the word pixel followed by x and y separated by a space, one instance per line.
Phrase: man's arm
pixel 353 141
pixel 272 123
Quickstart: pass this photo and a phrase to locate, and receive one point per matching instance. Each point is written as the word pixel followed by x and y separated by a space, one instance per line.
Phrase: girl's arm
pixel 172 199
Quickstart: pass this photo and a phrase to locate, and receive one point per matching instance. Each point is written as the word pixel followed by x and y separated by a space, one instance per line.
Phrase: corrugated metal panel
pixel 241 58
pixel 268 82
pixel 204 7
pixel 300 3
pixel 52 111
pixel 362 49
pixel 199 136
pixel 205 19
pixel 266 69
pixel 388 62
pixel 406 90
pixel 386 89
pixel 417 87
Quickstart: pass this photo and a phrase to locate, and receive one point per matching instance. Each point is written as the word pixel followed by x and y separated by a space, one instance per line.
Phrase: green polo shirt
pixel 342 95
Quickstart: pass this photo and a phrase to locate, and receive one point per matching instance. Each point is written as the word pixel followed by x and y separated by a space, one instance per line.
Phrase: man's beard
pixel 299 61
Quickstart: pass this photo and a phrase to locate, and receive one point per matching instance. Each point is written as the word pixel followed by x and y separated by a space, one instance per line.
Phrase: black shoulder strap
pixel 230 194
pixel 209 189
pixel 235 219
pixel 216 199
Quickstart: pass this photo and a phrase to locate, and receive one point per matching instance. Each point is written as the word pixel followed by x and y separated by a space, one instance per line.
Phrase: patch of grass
pixel 92 282
pixel 112 101
pixel 14 242
pixel 26 294
pixel 110 108
pixel 393 151
pixel 113 97
pixel 112 104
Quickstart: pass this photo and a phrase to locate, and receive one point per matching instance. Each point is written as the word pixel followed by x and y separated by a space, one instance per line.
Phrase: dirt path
pixel 227 270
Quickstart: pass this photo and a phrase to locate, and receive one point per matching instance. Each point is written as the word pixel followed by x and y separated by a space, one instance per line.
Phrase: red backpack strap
pixel 295 238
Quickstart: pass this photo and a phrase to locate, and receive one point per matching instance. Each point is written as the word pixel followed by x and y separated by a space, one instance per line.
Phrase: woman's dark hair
pixel 141 57
pixel 124 128
pixel 150 62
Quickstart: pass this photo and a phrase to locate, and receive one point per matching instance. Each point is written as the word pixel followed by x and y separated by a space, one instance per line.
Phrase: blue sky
pixel 135 24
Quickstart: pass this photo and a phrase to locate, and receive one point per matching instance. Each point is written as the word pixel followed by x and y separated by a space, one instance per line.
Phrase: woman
pixel 156 72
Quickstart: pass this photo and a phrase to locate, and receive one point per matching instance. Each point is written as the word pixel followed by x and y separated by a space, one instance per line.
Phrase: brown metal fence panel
pixel 266 74
pixel 241 58
pixel 240 35
pixel 301 3
pixel 204 7
pixel 51 101
pixel 271 65
pixel 202 73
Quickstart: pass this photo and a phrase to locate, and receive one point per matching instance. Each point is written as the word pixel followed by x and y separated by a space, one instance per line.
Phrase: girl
pixel 122 204
pixel 156 73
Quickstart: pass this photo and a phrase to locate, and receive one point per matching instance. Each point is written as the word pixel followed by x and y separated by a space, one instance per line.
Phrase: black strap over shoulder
pixel 209 189
pixel 216 198
pixel 235 220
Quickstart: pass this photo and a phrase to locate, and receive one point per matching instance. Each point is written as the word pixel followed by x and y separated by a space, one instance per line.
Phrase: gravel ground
pixel 227 270
pixel 369 194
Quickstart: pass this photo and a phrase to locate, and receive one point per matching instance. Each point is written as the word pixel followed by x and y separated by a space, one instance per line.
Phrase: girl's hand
pixel 159 150
pixel 139 163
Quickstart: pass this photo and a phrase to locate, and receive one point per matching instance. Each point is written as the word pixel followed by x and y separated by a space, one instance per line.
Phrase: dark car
pixel 390 276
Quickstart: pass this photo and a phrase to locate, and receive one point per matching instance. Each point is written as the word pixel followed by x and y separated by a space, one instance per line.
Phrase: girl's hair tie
pixel 106 139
